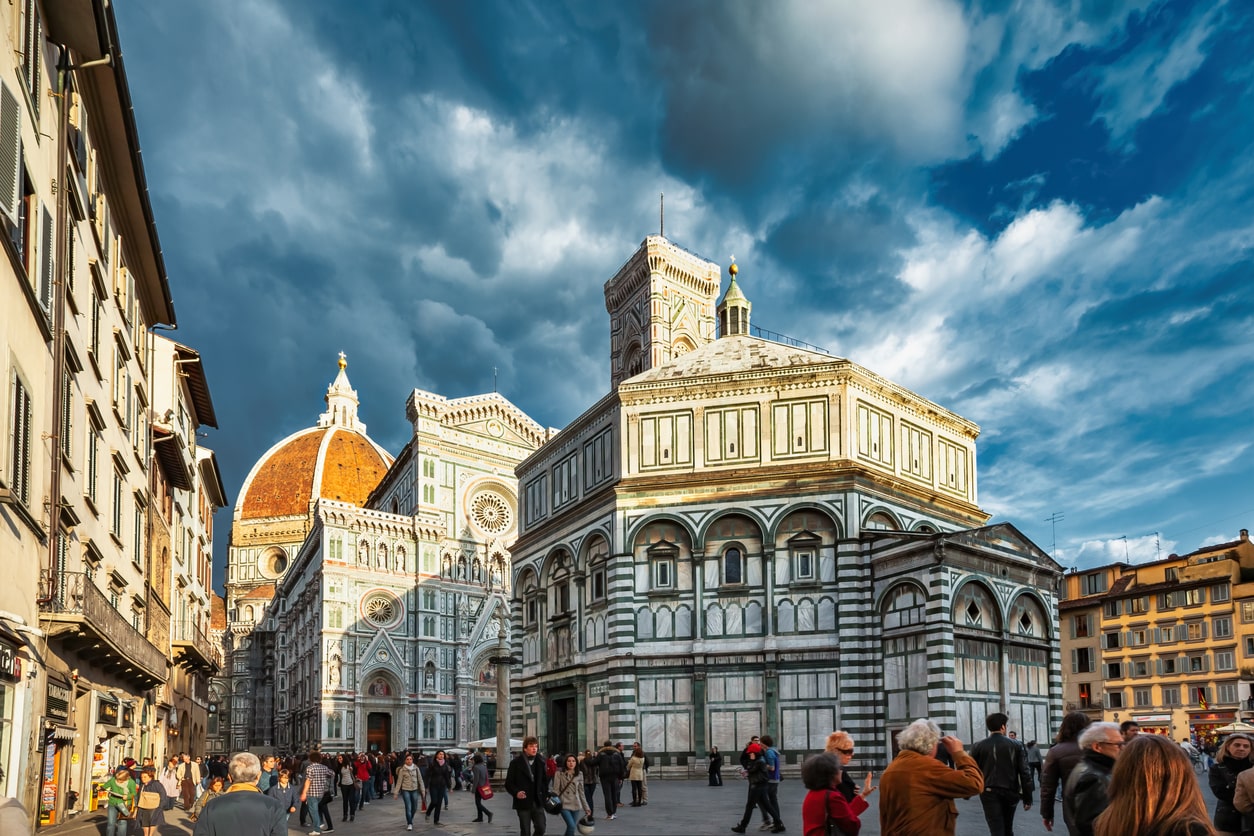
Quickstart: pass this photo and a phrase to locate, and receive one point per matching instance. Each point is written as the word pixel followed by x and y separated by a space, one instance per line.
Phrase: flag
pixel 1201 698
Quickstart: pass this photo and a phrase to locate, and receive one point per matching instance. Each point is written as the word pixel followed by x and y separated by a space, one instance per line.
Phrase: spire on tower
pixel 734 308
pixel 342 402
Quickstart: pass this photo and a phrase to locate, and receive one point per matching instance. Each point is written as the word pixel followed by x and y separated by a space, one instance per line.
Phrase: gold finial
pixel 733 269
pixel 343 361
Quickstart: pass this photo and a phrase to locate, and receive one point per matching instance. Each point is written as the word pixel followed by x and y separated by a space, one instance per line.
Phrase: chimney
pixel 1245 534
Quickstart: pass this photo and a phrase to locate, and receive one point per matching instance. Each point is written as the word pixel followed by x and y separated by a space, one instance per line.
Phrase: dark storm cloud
pixel 938 192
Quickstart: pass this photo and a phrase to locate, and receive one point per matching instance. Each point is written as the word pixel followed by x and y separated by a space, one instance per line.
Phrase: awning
pixel 61 732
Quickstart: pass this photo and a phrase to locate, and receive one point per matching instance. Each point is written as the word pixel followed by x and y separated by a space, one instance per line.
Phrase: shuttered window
pixel 20 442
pixel 10 153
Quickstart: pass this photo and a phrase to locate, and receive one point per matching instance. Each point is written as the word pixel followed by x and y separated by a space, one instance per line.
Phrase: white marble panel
pixel 795 723
pixel 664 623
pixel 683 691
pixel 753 618
pixel 753 688
pixel 735 688
pixel 827 615
pixel 679 732
pixel 734 620
pixel 822 723
pixel 644 623
pixel 648 691
pixel 785 621
pixel 711 574
pixel 714 621
pixel 754 575
pixel 683 623
pixel 748 723
pixel 805 617
pixel 653 732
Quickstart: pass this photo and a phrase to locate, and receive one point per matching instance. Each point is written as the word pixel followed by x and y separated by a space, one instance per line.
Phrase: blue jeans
pixel 571 818
pixel 115 826
pixel 410 797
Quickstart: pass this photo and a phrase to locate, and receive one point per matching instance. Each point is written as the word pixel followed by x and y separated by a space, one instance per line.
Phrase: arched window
pixel 733 566
pixel 881 521
pixel 904 606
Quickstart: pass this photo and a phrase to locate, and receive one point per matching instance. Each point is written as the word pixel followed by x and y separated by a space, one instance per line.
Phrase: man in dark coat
pixel 1084 797
pixel 1007 777
pixel 612 768
pixel 528 784
pixel 242 810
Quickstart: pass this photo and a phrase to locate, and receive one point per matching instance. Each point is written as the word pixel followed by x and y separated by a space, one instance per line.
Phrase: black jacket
pixel 1004 763
pixel 1084 796
pixel 534 782
pixel 756 771
pixel 439 777
pixel 611 765
pixel 1223 783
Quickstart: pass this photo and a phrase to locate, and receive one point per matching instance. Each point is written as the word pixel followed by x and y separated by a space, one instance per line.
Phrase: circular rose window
pixel 491 512
pixel 381 609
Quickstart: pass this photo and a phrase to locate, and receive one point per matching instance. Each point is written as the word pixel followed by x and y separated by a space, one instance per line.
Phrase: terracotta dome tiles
pixel 284 484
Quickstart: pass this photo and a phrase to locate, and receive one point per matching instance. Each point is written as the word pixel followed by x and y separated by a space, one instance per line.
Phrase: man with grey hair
pixel 917 791
pixel 242 810
pixel 1084 795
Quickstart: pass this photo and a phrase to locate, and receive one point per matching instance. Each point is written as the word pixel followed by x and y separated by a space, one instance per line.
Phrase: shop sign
pixel 1213 716
pixel 1152 718
pixel 10 663
pixel 58 706
pixel 108 711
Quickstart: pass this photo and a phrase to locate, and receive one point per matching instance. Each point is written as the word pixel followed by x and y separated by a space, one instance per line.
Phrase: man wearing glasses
pixel 1084 797
pixel 1007 777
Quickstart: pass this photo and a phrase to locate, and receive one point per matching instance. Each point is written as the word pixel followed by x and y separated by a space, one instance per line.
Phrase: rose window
pixel 381 609
pixel 491 512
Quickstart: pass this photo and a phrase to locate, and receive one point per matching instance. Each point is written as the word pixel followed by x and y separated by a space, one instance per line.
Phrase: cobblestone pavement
pixel 684 808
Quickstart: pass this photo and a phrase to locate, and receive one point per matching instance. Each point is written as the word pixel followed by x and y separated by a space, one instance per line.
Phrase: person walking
pixel 364 782
pixel 439 782
pixel 1232 759
pixel 170 781
pixel 243 810
pixel 217 787
pixel 1061 758
pixel 716 767
pixel 479 778
pixel 1034 760
pixel 1007 778
pixel 408 783
pixel 917 791
pixel 568 784
pixel 755 772
pixel 285 792
pixel 1085 795
pixel 269 773
pixel 773 776
pixel 527 782
pixel 119 790
pixel 151 802
pixel 610 768
pixel 1153 789
pixel 189 780
pixel 588 772
pixel 316 793
pixel 635 774
pixel 840 744
pixel 348 788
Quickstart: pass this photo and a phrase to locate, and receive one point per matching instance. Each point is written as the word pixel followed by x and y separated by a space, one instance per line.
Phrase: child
pixel 821 775
pixel 285 792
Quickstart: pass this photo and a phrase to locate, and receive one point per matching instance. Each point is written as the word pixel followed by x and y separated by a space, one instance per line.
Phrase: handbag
pixel 149 800
pixel 485 792
pixel 833 829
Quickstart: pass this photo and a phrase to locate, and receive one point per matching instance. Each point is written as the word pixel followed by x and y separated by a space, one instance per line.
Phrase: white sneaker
pixel 766 825
pixel 409 827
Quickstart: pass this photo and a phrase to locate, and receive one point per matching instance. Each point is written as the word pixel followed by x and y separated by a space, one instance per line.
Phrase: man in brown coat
pixel 917 791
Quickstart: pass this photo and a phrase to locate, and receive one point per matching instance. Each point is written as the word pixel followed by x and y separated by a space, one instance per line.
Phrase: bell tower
pixel 661 305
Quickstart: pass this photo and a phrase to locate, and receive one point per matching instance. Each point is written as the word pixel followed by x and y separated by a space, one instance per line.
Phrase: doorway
pixel 379 732
pixel 487 719
pixel 563 725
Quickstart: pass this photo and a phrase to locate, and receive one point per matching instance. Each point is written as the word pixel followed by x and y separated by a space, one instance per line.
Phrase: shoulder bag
pixel 485 791
pixel 833 829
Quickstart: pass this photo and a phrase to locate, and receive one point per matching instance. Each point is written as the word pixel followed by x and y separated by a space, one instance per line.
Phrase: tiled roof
pixel 283 484
pixel 262 593
pixel 217 612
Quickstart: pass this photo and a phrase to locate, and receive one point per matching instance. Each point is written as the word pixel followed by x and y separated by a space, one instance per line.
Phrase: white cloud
pixel 1100 552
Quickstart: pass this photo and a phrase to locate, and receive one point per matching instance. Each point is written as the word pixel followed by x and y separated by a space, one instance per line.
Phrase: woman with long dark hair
pixel 568 784
pixel 1061 758
pixel 1153 792
pixel 439 782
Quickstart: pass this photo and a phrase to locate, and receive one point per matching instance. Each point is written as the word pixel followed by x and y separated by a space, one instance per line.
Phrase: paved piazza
pixel 675 807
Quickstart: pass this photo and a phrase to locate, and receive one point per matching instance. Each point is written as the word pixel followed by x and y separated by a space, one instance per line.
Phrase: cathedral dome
pixel 317 463
pixel 334 460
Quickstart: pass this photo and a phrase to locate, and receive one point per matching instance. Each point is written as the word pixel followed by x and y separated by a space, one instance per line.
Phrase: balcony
pixel 193 650
pixel 79 615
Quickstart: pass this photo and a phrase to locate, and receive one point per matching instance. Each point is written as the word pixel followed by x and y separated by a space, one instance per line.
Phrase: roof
pixel 728 355
pixel 193 370
pixel 262 593
pixel 217 612
pixel 321 462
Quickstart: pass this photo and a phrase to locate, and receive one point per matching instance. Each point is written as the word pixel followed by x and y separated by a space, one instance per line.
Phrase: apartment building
pixel 1162 643
pixel 86 635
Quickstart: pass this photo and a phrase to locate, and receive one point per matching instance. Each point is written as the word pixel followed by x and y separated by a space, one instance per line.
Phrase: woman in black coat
pixel 1233 758
pixel 716 767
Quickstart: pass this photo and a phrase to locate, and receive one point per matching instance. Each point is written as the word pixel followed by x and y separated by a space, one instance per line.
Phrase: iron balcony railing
pixel 79 615
pixel 192 647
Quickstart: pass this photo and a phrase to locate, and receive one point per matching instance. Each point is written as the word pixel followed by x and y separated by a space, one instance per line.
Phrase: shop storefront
pixel 10 677
pixel 1153 723
pixel 108 751
pixel 58 742
pixel 1203 726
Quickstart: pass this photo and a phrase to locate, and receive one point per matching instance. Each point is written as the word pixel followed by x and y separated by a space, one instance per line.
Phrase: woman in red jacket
pixel 821 775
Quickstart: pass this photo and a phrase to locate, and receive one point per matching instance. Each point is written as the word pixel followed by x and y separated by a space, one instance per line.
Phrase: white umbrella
pixel 490 743
pixel 1233 728
pixel 454 750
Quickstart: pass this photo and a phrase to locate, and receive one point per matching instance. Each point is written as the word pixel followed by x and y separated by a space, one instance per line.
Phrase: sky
pixel 1039 215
